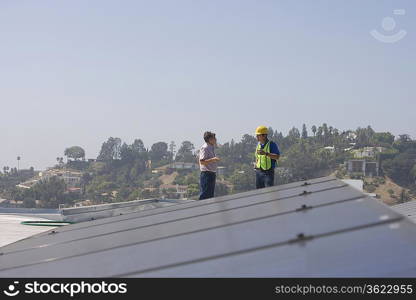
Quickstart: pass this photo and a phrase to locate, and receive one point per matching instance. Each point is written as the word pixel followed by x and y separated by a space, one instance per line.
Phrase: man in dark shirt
pixel 267 153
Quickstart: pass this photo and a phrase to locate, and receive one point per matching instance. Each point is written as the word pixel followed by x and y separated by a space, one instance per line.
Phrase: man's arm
pixel 273 154
pixel 205 162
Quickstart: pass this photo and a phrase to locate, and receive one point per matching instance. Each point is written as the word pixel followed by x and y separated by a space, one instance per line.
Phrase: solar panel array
pixel 319 227
pixel 407 209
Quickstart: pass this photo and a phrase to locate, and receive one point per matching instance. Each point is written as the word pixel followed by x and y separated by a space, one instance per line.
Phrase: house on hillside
pixel 367 168
pixel 177 166
pixel 330 148
pixel 367 152
pixel 180 190
pixel 27 184
pixel 71 178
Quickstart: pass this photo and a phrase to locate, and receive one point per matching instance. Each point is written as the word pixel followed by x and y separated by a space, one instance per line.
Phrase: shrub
pixel 370 188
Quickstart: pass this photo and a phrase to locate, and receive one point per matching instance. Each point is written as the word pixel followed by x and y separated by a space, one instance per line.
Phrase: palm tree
pixel 60 161
pixel 314 130
pixel 18 163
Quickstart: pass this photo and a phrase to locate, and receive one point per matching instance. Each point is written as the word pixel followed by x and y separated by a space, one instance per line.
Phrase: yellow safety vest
pixel 262 161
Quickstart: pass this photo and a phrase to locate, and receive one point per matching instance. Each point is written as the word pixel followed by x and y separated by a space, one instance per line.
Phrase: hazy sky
pixel 77 72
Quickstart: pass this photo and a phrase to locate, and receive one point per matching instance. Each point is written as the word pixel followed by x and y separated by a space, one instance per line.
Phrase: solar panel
pixel 407 209
pixel 324 228
pixel 284 194
pixel 384 250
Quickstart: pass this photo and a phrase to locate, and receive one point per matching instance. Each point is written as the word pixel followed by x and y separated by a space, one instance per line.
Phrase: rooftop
pixel 407 209
pixel 12 230
pixel 322 227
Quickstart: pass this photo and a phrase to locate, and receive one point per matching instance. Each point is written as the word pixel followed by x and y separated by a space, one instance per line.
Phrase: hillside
pixel 389 192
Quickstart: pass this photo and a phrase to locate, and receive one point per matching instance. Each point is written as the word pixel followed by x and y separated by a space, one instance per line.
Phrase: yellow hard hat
pixel 261 130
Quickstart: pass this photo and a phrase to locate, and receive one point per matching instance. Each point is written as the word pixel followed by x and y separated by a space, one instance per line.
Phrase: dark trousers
pixel 207 184
pixel 264 178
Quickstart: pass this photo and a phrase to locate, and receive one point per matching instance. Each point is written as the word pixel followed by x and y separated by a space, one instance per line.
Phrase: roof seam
pixel 183 233
pixel 273 245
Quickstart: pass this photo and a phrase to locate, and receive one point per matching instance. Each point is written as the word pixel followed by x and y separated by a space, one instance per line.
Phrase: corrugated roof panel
pixel 407 209
pixel 383 250
pixel 283 194
pixel 305 229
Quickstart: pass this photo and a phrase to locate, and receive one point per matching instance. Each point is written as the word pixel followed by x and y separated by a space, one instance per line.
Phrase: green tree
pixel 304 132
pixel 75 152
pixel 172 149
pixel 138 146
pixel 186 152
pixel 293 136
pixel 193 190
pixel 314 130
pixel 159 151
pixel 50 192
pixel 110 150
pixel 384 139
pixel 243 179
pixel 404 196
pixel 18 163
pixel 400 168
pixel 221 189
pixel 413 174
pixel 306 161
pixel 364 136
pixel 29 202
pixel 405 144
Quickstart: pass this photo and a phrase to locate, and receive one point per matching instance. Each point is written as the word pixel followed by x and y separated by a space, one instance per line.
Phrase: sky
pixel 77 72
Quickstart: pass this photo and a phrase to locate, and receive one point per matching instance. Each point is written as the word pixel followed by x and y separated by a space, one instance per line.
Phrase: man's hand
pixel 208 161
pixel 261 152
pixel 271 155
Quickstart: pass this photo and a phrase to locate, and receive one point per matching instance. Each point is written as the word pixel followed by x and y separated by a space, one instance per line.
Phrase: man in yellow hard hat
pixel 267 153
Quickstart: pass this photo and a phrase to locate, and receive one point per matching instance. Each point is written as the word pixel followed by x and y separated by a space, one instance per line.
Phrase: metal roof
pixel 321 227
pixel 12 230
pixel 407 209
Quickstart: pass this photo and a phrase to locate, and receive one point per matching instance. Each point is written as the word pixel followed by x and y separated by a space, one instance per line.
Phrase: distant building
pixel 71 178
pixel 330 148
pixel 177 166
pixel 180 190
pixel 221 170
pixel 355 183
pixel 27 184
pixel 26 172
pixel 74 189
pixel 352 136
pixel 359 185
pixel 367 152
pixel 148 164
pixel 367 168
pixel 184 166
pixel 15 203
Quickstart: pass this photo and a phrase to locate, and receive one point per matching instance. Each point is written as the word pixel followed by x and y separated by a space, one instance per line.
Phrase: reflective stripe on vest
pixel 262 161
